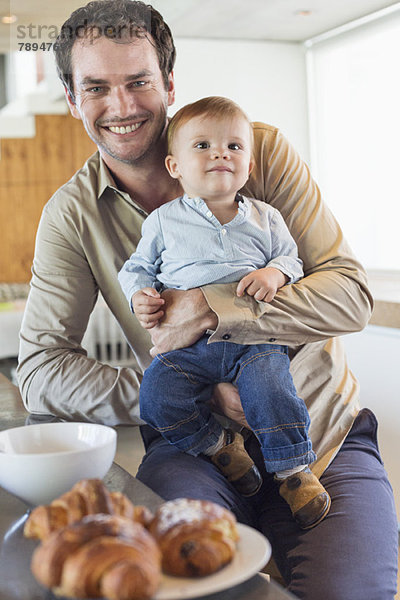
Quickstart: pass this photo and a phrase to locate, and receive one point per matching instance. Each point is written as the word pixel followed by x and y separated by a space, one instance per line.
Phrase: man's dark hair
pixel 118 20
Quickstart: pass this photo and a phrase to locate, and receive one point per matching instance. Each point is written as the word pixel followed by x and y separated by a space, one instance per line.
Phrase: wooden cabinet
pixel 31 170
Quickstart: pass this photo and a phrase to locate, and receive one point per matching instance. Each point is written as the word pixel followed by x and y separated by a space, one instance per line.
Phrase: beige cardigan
pixel 87 231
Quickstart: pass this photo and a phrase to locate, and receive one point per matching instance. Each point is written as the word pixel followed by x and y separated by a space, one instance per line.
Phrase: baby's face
pixel 212 156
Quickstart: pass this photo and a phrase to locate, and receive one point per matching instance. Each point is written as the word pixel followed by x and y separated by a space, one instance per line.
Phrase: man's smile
pixel 124 129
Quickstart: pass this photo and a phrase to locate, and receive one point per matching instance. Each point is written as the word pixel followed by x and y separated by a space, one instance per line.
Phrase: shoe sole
pixel 321 518
pixel 252 493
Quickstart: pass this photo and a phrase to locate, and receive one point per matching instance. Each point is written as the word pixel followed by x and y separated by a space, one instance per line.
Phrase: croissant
pixel 100 556
pixel 196 537
pixel 89 496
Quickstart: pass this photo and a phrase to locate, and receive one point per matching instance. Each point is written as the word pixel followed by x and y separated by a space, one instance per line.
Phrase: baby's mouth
pixel 220 169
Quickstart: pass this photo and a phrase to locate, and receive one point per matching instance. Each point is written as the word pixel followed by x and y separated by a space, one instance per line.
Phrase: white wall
pixel 268 79
pixel 373 356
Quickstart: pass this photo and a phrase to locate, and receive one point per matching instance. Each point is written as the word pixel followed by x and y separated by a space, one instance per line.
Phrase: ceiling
pixel 284 20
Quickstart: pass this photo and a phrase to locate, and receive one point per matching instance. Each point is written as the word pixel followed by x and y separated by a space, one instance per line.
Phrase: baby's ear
pixel 251 165
pixel 172 166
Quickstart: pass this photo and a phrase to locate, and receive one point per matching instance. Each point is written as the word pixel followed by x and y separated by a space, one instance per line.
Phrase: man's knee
pixel 174 474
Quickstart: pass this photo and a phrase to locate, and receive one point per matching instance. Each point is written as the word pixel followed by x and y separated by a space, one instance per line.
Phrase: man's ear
pixel 172 166
pixel 171 89
pixel 71 104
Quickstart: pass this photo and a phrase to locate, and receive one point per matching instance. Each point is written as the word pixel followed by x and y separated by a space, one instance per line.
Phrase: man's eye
pixel 138 84
pixel 96 89
pixel 202 145
pixel 234 146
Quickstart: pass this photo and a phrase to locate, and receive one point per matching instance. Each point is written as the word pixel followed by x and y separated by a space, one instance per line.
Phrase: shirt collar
pixel 106 182
pixel 197 201
pixel 243 207
pixel 105 179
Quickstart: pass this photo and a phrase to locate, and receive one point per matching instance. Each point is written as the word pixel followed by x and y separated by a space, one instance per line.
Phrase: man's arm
pixel 187 317
pixel 54 373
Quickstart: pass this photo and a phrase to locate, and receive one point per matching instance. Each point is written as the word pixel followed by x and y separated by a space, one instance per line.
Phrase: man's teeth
pixel 127 129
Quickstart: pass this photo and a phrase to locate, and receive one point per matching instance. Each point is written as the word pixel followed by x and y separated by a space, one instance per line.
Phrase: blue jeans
pixel 177 385
pixel 350 555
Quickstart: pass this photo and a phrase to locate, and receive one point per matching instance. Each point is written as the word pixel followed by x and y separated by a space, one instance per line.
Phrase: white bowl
pixel 40 462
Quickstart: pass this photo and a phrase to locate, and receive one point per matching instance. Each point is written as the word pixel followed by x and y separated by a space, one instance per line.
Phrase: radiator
pixel 104 339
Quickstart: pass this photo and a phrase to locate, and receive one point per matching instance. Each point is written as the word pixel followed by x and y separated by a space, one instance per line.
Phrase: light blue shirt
pixel 184 246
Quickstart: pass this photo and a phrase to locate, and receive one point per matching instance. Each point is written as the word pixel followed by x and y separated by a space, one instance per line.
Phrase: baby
pixel 213 234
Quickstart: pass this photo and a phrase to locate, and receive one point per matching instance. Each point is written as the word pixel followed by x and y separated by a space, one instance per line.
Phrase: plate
pixel 252 554
pixel 18 583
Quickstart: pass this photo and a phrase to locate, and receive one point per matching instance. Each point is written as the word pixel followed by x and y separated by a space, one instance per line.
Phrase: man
pixel 116 58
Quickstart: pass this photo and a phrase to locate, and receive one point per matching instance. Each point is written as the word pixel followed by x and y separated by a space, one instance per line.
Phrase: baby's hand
pixel 262 284
pixel 146 305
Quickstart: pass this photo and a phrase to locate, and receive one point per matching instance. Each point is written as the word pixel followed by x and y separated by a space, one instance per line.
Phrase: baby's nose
pixel 220 153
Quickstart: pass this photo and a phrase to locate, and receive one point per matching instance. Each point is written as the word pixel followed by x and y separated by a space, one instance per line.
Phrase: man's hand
pixel 187 317
pixel 262 283
pixel 226 401
pixel 146 304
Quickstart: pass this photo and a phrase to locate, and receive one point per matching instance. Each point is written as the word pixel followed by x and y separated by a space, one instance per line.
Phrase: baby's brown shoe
pixel 308 499
pixel 237 466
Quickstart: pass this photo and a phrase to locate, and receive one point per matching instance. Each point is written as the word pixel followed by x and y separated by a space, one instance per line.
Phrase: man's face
pixel 212 156
pixel 120 96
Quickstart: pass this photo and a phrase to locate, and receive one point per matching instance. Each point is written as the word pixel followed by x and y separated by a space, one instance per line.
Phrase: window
pixel 354 96
pixel 21 74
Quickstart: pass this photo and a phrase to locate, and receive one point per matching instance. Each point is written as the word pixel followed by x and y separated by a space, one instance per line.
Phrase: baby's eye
pixel 202 145
pixel 234 146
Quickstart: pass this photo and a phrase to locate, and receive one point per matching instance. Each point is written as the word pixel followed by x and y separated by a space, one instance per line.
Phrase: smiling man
pixel 116 59
pixel 124 114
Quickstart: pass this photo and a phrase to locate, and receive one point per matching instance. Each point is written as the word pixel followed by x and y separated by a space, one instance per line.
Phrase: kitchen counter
pixel 385 288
